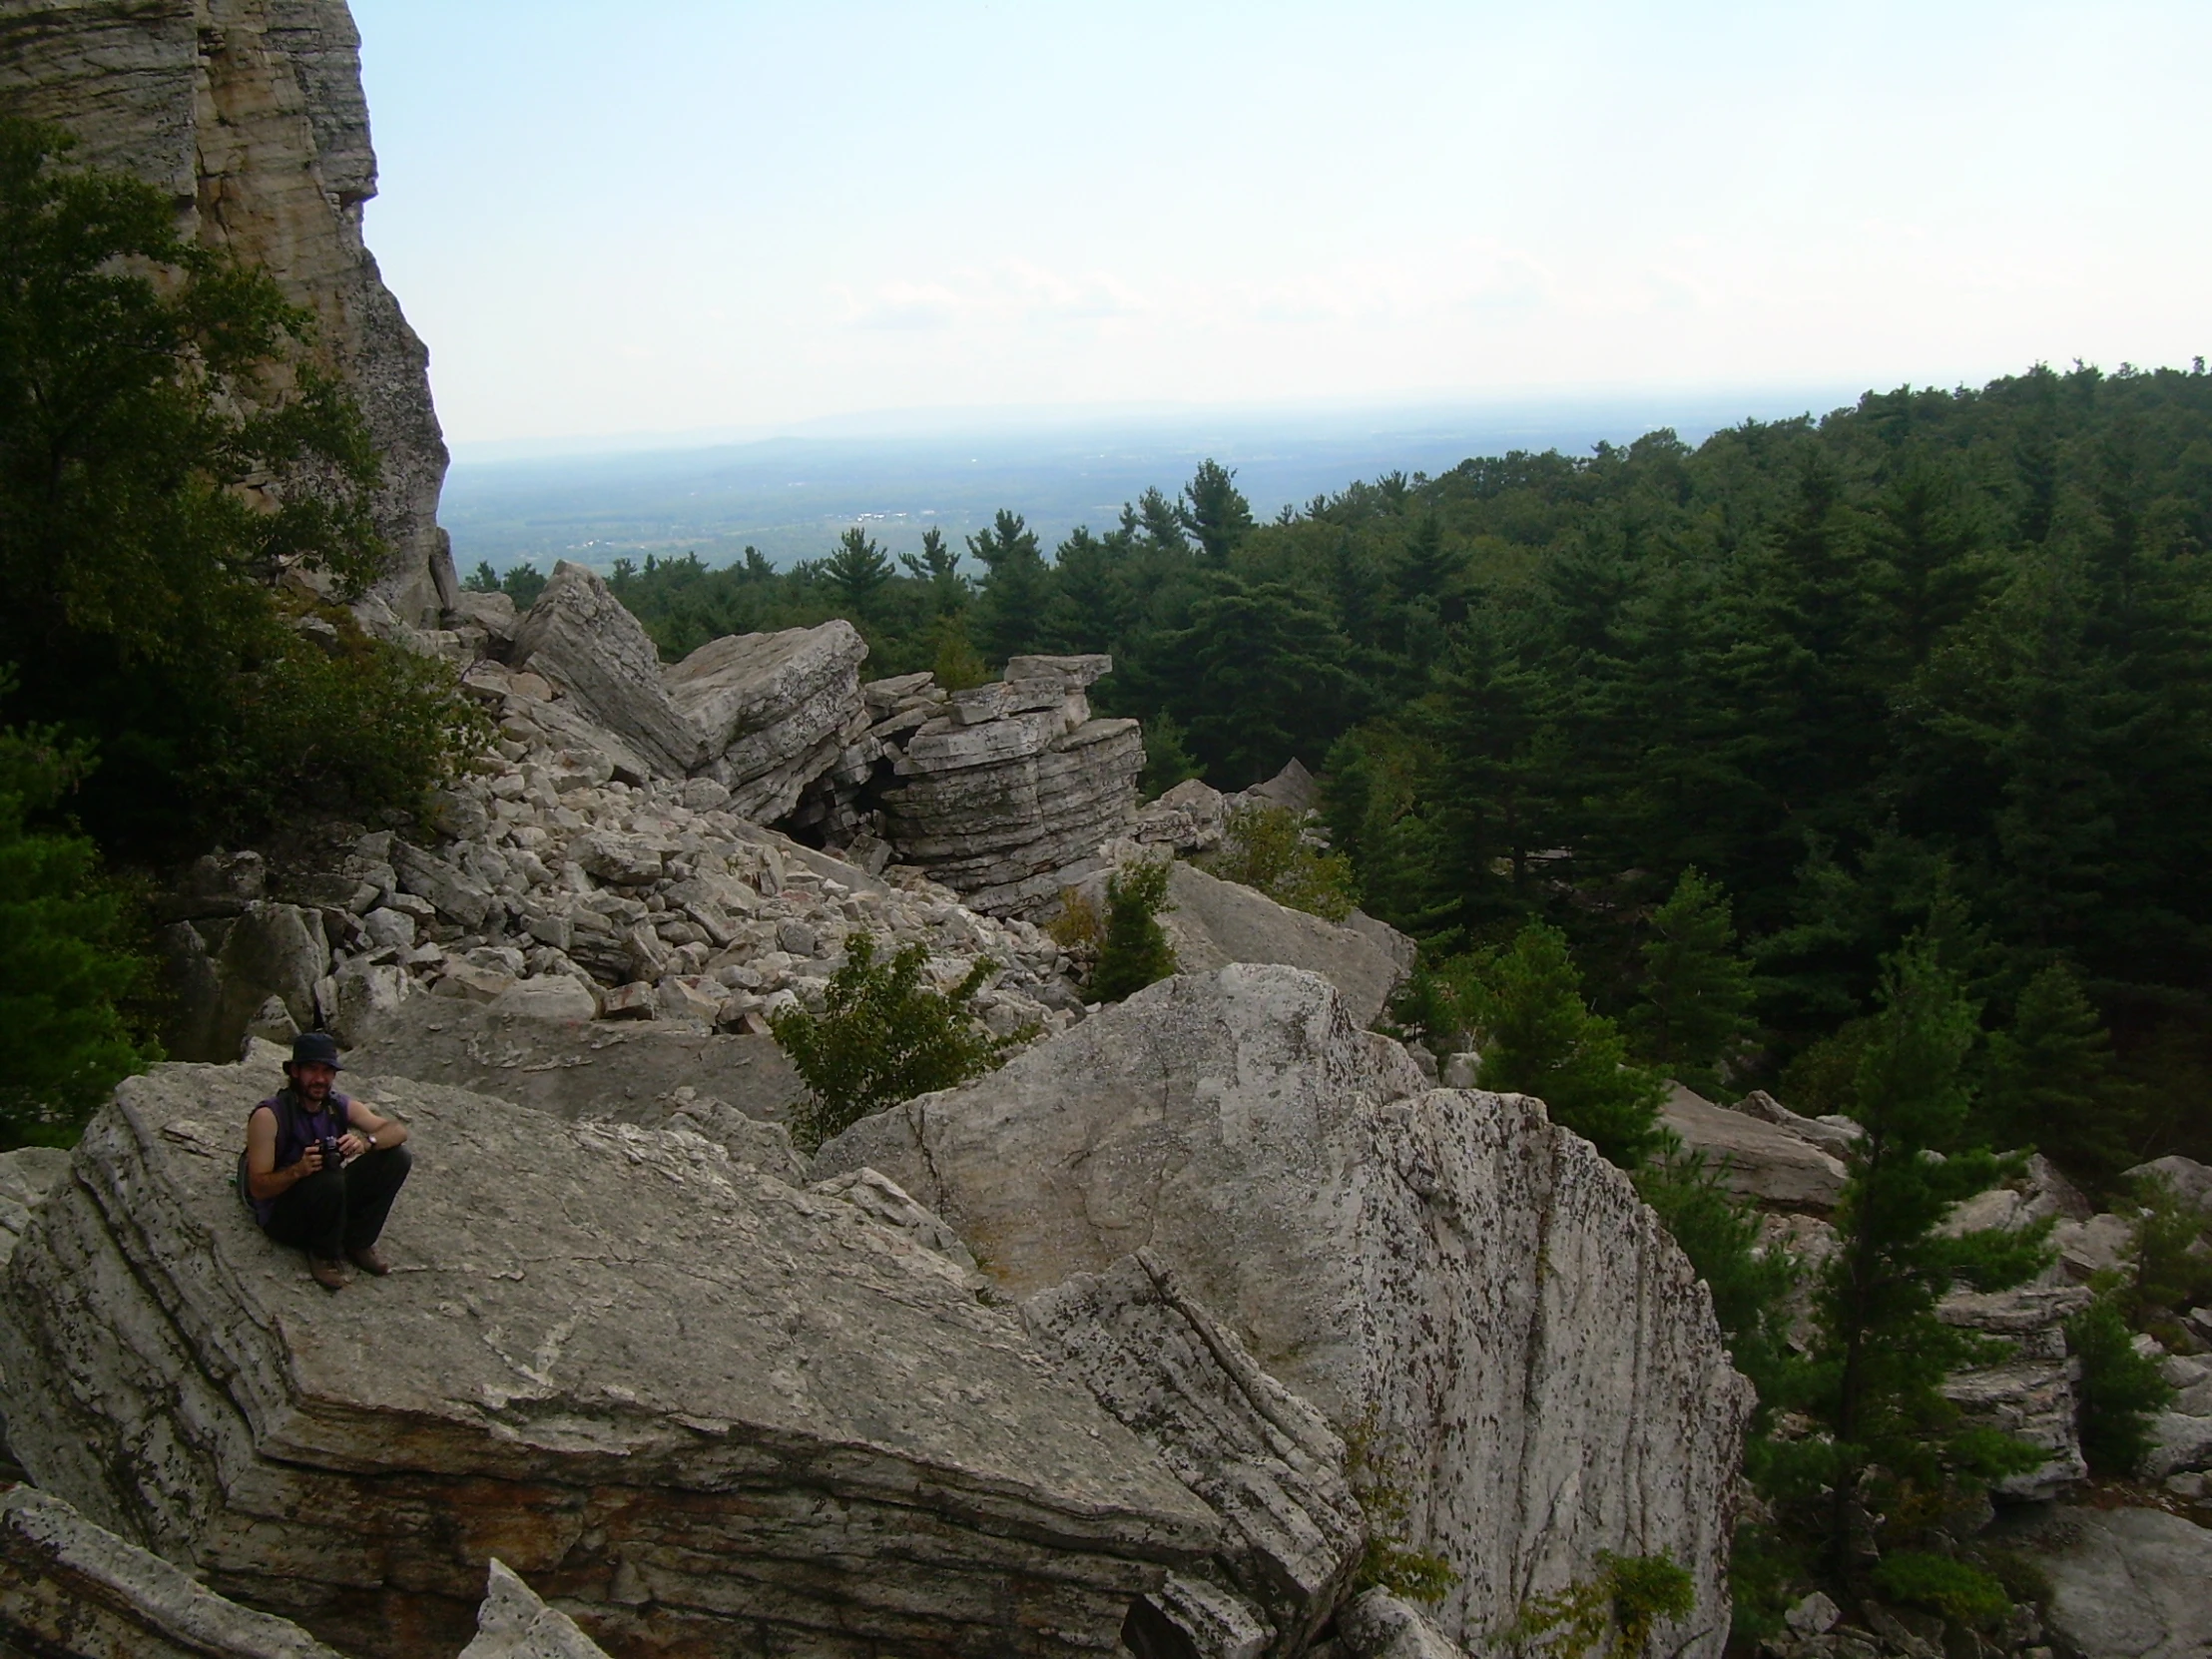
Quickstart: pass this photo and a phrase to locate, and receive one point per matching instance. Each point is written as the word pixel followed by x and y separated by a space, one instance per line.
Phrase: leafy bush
pixel 2121 1388
pixel 65 965
pixel 1078 927
pixel 1264 849
pixel 883 1037
pixel 1963 1595
pixel 1629 1595
pixel 1374 1467
pixel 1136 951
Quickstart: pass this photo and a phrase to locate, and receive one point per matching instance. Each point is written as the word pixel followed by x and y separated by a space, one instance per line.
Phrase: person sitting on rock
pixel 300 1194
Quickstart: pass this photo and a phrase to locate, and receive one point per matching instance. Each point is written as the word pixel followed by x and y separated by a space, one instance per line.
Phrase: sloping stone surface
pixel 2127 1583
pixel 1262 1458
pixel 702 1411
pixel 1377 1625
pixel 249 115
pixel 1476 1287
pixel 72 1590
pixel 579 635
pixel 514 1624
pixel 1772 1166
pixel 1215 922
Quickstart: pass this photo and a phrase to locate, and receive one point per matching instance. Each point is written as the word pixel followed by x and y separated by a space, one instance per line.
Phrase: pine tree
pixel 1883 1354
pixel 939 567
pixel 1697 991
pixel 1214 511
pixel 2049 1081
pixel 859 569
pixel 1135 952
pixel 1017 587
pixel 1537 1036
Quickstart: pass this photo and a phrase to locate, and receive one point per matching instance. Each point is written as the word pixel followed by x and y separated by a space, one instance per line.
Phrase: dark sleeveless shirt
pixel 295 1127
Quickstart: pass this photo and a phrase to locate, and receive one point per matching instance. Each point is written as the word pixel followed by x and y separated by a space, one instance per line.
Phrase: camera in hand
pixel 332 1155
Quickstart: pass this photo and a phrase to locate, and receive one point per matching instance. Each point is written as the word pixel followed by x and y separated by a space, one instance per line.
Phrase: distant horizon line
pixel 950 422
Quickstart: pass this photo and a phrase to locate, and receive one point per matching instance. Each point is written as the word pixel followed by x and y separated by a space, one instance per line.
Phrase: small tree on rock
pixel 883 1037
pixel 1136 951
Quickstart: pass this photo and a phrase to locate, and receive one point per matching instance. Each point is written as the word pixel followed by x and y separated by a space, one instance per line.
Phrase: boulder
pixel 1262 1457
pixel 221 972
pixel 1377 1625
pixel 579 637
pixel 1773 1166
pixel 1474 1289
pixel 2180 1443
pixel 1293 789
pixel 27 1175
pixel 72 1590
pixel 703 1410
pixel 514 1624
pixel 624 1071
pixel 2127 1583
pixel 1212 922
pixel 1834 1135
pixel 2190 1179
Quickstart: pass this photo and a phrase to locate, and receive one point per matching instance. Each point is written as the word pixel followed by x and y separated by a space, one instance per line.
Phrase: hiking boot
pixel 327 1270
pixel 367 1260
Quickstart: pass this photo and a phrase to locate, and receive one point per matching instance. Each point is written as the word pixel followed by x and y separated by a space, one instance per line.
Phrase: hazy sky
pixel 678 215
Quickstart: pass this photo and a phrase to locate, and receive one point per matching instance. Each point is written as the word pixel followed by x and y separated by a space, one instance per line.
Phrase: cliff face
pixel 249 114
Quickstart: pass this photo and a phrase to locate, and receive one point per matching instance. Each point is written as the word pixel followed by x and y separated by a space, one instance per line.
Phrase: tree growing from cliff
pixel 170 442
pixel 1883 1354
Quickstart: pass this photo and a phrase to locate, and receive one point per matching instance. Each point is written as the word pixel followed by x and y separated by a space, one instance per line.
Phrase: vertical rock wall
pixel 250 115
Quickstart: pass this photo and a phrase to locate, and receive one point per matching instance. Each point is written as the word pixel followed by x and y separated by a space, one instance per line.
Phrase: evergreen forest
pixel 1933 666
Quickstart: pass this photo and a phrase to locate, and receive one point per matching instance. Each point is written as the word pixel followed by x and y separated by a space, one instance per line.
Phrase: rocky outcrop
pixel 2031 1392
pixel 72 1590
pixel 2127 1583
pixel 1775 1167
pixel 249 115
pixel 762 714
pixel 1212 922
pixel 1262 1458
pixel 1477 1290
pixel 514 1624
pixel 1377 1625
pixel 1005 792
pixel 700 1409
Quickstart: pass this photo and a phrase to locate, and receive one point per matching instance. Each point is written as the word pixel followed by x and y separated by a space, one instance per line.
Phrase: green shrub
pixel 65 962
pixel 883 1037
pixel 2171 1271
pixel 1263 848
pixel 1136 951
pixel 1938 1584
pixel 1374 1467
pixel 1629 1595
pixel 2121 1388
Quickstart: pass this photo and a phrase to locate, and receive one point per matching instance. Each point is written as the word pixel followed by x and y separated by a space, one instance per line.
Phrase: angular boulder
pixel 72 1590
pixel 762 714
pixel 1212 922
pixel 1262 1457
pixel 2127 1583
pixel 514 1624
pixel 703 1412
pixel 1486 1299
pixel 1772 1166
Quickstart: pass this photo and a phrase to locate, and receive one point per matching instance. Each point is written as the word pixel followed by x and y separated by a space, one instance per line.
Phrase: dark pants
pixel 337 1209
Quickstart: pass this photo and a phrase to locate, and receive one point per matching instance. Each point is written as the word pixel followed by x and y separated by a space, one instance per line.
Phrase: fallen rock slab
pixel 1377 1625
pixel 72 1590
pixel 1474 1287
pixel 1213 922
pixel 702 1411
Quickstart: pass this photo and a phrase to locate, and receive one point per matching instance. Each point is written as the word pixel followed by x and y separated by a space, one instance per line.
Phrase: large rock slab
pixel 702 1411
pixel 1262 1458
pixel 72 1590
pixel 1473 1286
pixel 1213 923
pixel 580 637
pixel 1766 1163
pixel 576 1069
pixel 2127 1583
pixel 248 115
